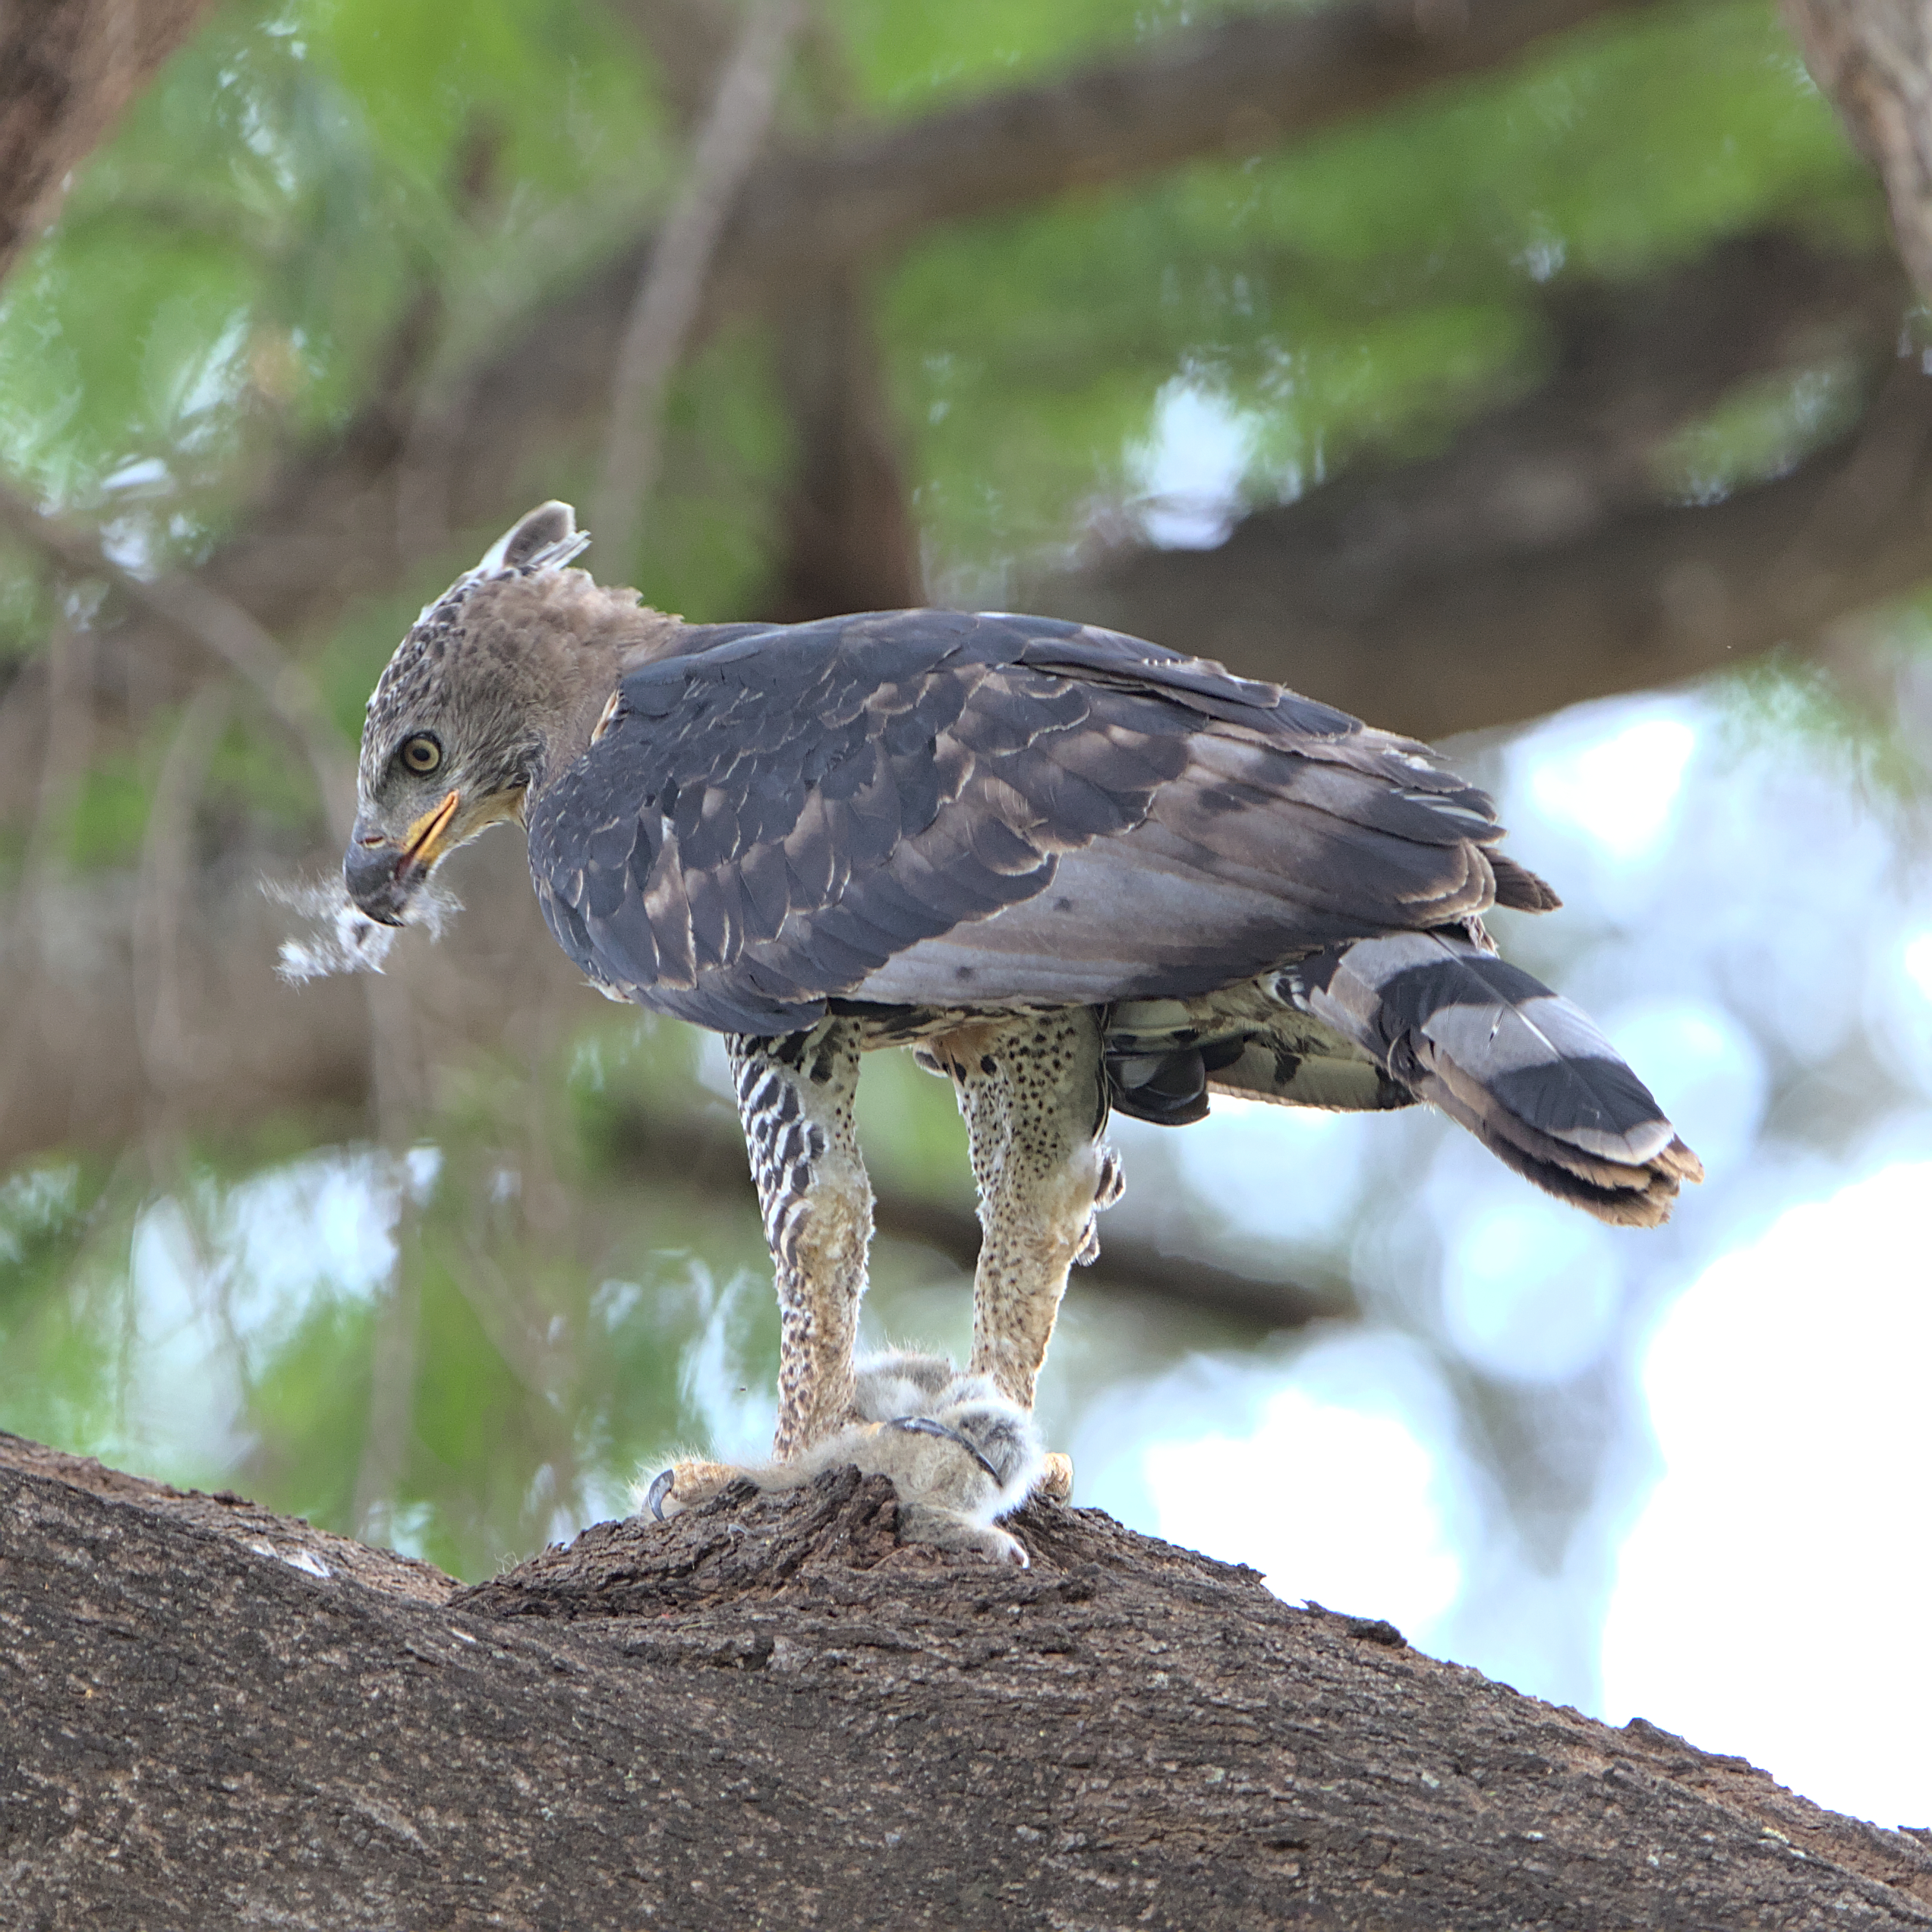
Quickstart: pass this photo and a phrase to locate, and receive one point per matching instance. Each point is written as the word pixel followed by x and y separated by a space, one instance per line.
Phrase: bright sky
pixel 1775 1592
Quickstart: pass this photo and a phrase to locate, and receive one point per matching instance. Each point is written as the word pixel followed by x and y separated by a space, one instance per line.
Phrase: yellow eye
pixel 421 753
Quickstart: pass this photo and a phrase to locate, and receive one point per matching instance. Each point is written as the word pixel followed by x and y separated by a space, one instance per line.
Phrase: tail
pixel 1525 1071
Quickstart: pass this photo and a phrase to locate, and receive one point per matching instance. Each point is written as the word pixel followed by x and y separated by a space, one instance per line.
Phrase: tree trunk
pixel 851 542
pixel 767 1713
pixel 67 69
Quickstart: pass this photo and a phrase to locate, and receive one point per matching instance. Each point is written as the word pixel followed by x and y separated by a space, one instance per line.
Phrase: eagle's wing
pixel 931 808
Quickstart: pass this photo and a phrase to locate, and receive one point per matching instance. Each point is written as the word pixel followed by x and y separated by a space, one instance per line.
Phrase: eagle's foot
pixel 959 1454
pixel 690 1481
pixel 1056 1478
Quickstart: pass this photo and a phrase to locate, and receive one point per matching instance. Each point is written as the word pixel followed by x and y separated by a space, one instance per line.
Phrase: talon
pixel 1112 1179
pixel 660 1487
pixel 1055 1483
pixel 687 1484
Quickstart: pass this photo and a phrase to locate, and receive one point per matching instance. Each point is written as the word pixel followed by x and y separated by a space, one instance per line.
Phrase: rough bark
pixel 67 69
pixel 1873 59
pixel 768 1713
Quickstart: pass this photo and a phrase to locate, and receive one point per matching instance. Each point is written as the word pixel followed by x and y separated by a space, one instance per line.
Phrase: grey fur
pixel 976 1459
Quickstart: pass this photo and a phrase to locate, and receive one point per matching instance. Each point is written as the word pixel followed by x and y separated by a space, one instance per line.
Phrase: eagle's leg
pixel 794 1095
pixel 1034 1093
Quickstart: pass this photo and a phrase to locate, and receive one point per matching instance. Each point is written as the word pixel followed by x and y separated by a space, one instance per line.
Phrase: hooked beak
pixel 383 875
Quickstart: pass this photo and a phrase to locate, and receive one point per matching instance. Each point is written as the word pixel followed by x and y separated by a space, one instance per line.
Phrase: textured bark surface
pixel 67 67
pixel 767 1713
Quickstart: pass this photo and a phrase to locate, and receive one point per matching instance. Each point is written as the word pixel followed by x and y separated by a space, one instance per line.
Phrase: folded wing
pixel 931 809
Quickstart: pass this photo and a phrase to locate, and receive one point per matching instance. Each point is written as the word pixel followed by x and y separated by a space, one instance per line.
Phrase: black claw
pixel 925 1426
pixel 660 1487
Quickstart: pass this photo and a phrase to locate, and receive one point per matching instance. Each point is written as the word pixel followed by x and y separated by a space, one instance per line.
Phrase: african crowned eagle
pixel 1075 872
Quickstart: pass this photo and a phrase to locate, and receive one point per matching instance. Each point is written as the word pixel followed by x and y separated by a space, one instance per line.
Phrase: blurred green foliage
pixel 537 1316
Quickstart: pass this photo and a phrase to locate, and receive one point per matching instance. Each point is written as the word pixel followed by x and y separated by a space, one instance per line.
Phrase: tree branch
pixel 1873 59
pixel 850 539
pixel 324 530
pixel 1255 81
pixel 217 625
pixel 1530 566
pixel 68 69
pixel 764 1713
pixel 673 286
pixel 1634 365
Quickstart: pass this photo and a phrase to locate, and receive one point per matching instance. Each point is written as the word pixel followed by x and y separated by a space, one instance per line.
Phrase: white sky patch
pixel 137 474
pixel 1531 1288
pixel 328 1221
pixel 1621 791
pixel 1190 470
pixel 1899 1005
pixel 1280 1173
pixel 1331 1474
pixel 714 1069
pixel 1770 1599
pixel 184 1395
pixel 737 1409
pixel 223 1281
pixel 1916 957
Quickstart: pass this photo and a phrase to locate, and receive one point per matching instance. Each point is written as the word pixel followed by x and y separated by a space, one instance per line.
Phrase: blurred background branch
pixel 661 318
pixel 67 70
pixel 220 627
pixel 648 1142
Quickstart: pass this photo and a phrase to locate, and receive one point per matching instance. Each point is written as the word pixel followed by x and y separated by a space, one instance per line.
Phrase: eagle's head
pixel 490 679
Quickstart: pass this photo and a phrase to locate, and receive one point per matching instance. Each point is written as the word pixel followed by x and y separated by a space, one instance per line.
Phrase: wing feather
pixel 904 805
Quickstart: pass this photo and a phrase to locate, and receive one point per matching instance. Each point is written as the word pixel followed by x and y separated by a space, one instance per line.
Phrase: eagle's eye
pixel 421 753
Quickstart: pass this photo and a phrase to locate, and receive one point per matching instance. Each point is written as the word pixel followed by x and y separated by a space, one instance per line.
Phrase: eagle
pixel 1077 874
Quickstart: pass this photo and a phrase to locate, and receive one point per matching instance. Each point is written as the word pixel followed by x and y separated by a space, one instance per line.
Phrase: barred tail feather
pixel 1527 1073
